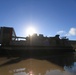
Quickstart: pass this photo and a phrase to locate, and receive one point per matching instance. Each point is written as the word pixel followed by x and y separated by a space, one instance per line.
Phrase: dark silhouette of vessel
pixel 35 45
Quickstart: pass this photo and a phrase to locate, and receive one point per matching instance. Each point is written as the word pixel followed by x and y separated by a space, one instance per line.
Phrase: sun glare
pixel 30 31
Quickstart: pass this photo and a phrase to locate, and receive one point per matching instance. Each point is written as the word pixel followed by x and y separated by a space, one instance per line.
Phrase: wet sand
pixel 29 66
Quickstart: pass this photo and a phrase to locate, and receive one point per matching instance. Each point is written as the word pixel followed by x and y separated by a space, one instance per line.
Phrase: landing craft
pixel 35 45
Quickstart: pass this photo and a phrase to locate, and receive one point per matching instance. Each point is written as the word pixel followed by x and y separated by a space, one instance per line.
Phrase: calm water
pixel 62 64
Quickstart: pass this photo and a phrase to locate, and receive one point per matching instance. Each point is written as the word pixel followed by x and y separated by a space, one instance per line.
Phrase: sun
pixel 30 31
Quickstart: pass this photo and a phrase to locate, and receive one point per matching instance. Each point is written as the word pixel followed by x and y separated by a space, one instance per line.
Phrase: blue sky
pixel 49 17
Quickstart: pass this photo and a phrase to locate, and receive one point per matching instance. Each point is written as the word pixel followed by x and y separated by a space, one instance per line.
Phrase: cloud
pixel 72 31
pixel 60 32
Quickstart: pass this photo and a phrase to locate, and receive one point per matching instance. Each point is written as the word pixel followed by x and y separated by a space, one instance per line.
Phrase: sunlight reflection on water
pixel 37 66
pixel 51 72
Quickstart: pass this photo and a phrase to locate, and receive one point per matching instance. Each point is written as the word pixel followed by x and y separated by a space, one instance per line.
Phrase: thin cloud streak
pixel 60 32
